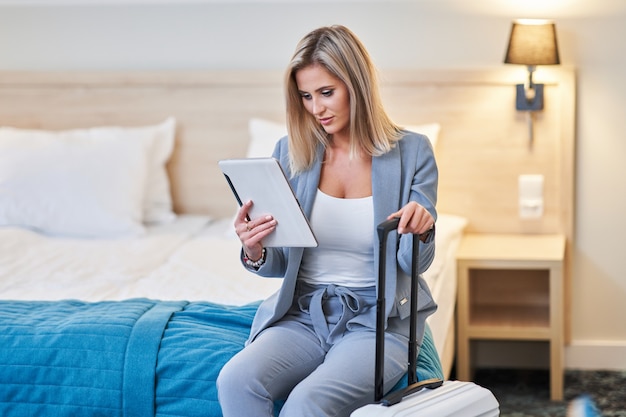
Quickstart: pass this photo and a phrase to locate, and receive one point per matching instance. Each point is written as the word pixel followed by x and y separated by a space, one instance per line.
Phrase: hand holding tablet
pixel 263 181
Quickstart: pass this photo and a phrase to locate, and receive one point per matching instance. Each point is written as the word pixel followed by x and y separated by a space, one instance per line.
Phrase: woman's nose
pixel 317 107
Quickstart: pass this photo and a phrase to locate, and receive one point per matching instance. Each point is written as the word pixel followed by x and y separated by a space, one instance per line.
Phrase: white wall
pixel 260 34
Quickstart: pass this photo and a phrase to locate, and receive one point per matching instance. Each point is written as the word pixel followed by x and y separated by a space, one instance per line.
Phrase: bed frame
pixel 483 146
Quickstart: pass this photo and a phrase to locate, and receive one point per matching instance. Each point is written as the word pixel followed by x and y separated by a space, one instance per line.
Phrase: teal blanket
pixel 125 358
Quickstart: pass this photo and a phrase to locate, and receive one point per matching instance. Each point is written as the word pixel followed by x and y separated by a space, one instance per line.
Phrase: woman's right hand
pixel 251 232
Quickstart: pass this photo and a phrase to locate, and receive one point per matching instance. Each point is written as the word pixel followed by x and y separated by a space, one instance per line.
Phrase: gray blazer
pixel 407 172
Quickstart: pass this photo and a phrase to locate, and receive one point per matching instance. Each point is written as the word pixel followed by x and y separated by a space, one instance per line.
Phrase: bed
pixel 157 250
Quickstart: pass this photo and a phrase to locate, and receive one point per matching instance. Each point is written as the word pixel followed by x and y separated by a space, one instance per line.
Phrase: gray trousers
pixel 311 360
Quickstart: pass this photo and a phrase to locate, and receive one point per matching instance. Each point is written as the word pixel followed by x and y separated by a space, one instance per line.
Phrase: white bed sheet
pixel 37 267
pixel 206 268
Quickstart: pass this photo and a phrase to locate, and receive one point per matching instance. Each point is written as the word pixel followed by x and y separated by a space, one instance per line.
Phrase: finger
pixel 254 231
pixel 262 231
pixel 416 219
pixel 242 213
pixel 414 223
pixel 400 215
pixel 262 224
pixel 410 217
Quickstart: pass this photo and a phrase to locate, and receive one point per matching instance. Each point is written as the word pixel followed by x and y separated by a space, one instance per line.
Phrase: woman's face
pixel 326 97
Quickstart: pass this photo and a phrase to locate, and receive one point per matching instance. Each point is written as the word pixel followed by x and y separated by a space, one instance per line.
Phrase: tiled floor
pixel 524 393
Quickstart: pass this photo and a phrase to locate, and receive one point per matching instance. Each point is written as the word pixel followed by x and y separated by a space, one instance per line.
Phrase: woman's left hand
pixel 414 218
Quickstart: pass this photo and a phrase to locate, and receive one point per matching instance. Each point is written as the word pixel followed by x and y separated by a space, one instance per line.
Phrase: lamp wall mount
pixel 529 97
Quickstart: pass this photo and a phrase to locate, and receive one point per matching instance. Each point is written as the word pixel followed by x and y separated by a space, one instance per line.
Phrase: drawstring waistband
pixel 351 301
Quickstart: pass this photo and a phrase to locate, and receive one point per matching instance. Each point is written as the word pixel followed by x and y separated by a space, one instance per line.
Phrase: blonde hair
pixel 342 54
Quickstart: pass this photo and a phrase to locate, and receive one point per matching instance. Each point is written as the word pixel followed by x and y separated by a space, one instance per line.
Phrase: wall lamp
pixel 532 42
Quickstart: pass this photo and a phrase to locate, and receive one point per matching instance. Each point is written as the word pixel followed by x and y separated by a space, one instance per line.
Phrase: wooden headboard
pixel 483 146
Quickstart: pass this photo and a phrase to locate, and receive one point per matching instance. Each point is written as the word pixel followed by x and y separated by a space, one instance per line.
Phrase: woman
pixel 312 344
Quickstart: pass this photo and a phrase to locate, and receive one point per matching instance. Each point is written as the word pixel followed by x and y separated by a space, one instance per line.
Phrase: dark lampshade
pixel 532 42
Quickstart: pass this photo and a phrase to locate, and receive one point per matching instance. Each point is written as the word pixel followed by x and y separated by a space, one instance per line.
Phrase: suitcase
pixel 426 398
pixel 451 399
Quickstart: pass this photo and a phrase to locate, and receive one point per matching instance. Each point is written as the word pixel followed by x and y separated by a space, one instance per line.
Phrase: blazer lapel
pixel 386 183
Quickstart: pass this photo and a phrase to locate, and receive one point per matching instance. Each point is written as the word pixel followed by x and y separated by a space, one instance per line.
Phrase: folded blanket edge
pixel 141 358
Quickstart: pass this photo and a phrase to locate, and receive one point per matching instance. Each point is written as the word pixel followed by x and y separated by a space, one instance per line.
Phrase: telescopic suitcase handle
pixel 383 230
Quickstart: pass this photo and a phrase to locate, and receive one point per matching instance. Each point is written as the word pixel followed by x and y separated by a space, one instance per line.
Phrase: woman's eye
pixel 305 96
pixel 327 93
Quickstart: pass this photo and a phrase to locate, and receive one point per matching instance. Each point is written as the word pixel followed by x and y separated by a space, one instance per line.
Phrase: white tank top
pixel 344 231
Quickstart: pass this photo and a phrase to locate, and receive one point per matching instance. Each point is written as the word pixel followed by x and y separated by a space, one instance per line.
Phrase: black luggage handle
pixel 383 230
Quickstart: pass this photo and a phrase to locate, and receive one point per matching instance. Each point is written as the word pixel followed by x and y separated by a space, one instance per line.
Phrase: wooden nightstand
pixel 511 288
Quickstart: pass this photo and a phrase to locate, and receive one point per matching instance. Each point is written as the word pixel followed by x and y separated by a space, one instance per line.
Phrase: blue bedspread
pixel 124 358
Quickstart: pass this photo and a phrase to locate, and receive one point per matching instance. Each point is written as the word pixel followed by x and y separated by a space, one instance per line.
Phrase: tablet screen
pixel 263 181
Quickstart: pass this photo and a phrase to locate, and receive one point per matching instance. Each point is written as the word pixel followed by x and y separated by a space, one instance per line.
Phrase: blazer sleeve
pixel 422 169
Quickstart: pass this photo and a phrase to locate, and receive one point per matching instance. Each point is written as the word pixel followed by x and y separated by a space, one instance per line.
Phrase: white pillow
pixel 157 206
pixel 159 142
pixel 80 183
pixel 431 130
pixel 263 137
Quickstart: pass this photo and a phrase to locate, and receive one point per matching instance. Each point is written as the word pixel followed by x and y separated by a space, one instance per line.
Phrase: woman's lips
pixel 326 121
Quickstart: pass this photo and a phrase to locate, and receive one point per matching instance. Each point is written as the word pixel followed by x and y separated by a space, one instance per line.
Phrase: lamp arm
pixel 531 70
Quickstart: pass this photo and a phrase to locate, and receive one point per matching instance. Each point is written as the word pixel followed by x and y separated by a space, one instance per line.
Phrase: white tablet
pixel 263 181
